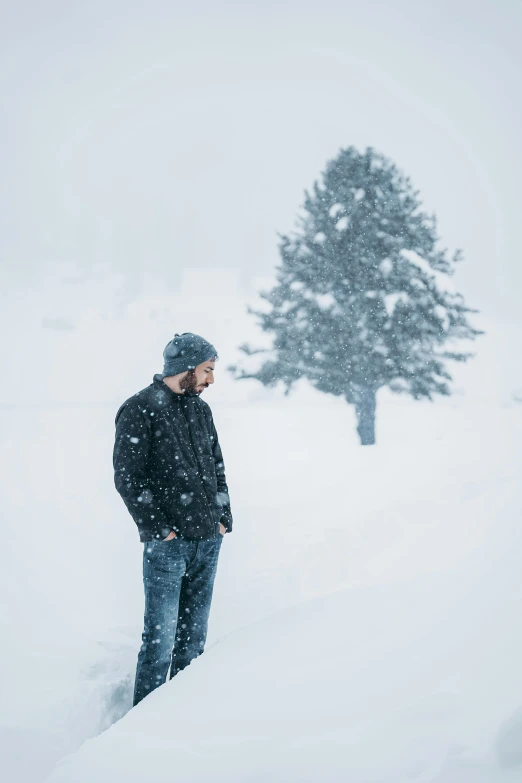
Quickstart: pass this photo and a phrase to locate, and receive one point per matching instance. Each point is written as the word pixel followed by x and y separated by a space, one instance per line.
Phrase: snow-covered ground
pixel 381 684
pixel 365 622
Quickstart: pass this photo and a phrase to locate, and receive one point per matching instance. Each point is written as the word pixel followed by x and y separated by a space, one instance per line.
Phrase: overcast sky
pixel 181 135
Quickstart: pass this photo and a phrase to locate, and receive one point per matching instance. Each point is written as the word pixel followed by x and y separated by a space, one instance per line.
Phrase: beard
pixel 190 385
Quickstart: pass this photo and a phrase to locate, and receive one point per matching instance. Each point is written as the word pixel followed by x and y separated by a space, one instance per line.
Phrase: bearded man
pixel 168 468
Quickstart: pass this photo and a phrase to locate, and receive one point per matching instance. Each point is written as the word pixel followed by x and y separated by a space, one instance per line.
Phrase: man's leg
pixel 164 566
pixel 194 605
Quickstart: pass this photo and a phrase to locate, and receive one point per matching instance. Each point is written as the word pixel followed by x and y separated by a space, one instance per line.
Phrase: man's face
pixel 197 380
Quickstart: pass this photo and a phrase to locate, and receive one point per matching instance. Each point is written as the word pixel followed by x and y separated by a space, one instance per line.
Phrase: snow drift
pixel 410 682
pixel 366 604
pixel 399 658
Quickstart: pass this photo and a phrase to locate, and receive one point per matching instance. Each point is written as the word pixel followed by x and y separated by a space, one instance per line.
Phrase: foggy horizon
pixel 159 138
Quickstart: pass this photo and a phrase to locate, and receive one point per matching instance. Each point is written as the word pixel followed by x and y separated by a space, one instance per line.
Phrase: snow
pixel 343 223
pixel 386 266
pixel 335 209
pixel 364 626
pixel 325 301
pixel 398 659
pixel 443 282
pixel 391 301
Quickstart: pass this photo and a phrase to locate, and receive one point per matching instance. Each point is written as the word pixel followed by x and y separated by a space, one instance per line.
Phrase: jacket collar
pixel 167 392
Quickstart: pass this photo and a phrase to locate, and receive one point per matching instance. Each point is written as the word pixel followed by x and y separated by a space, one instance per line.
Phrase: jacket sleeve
pixel 223 497
pixel 131 451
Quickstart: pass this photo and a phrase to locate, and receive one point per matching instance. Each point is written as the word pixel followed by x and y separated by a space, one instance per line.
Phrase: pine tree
pixel 363 297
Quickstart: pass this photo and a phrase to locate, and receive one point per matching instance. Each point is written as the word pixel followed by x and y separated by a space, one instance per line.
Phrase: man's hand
pixel 170 536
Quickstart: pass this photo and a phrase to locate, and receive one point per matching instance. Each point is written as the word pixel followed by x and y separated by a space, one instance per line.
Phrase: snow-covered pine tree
pixel 363 296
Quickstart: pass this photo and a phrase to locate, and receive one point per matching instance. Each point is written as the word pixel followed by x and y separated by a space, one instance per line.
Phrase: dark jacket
pixel 168 465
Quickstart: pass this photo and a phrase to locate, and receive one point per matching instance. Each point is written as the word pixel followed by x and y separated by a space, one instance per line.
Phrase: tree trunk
pixel 365 410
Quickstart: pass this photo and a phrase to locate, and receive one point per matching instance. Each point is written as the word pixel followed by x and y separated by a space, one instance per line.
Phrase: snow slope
pixel 407 667
pixel 411 546
pixel 413 681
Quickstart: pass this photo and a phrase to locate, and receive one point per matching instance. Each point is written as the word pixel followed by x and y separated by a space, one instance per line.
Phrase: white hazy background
pixel 150 153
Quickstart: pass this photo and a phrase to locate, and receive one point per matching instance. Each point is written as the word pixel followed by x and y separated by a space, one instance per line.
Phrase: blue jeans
pixel 178 577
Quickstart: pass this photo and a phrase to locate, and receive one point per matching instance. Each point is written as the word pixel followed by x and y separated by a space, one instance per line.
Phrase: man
pixel 169 470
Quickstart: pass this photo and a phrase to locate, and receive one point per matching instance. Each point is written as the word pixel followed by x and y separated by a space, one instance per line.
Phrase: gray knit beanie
pixel 185 352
